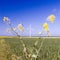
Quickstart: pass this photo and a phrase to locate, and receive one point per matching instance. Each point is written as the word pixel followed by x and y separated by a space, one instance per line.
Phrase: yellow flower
pixel 21 27
pixel 45 25
pixel 46 29
pixel 51 18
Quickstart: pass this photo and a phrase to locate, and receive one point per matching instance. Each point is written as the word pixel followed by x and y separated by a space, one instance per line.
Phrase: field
pixel 50 49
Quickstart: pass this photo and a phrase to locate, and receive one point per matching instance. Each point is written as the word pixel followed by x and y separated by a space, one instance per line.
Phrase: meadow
pixel 12 47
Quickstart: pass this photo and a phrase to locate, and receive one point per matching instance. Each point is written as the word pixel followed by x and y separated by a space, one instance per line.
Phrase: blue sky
pixel 34 12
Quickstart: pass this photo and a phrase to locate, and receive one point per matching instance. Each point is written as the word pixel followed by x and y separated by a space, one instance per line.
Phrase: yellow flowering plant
pixel 46 27
pixel 51 18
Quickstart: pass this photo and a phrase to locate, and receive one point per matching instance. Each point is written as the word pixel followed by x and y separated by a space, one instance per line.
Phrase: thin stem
pixel 13 30
pixel 39 48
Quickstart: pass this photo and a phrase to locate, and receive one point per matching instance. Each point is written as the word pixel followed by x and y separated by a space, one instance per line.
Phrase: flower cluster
pixel 6 19
pixel 21 27
pixel 51 18
pixel 46 27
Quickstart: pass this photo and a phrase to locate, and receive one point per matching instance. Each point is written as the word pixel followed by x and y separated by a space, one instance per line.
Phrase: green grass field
pixel 50 49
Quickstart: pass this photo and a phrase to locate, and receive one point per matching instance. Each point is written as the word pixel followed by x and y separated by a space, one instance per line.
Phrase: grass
pixel 50 49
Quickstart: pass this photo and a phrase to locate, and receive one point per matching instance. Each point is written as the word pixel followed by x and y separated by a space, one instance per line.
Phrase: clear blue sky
pixel 34 12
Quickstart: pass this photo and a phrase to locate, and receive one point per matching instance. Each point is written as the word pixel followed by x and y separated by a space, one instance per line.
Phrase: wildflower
pixel 21 27
pixel 46 29
pixel 45 25
pixel 14 29
pixel 6 19
pixel 51 18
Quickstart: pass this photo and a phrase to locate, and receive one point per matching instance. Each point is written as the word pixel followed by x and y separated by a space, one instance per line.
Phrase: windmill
pixel 30 30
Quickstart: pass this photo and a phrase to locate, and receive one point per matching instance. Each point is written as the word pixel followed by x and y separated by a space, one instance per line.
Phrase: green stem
pixel 39 48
